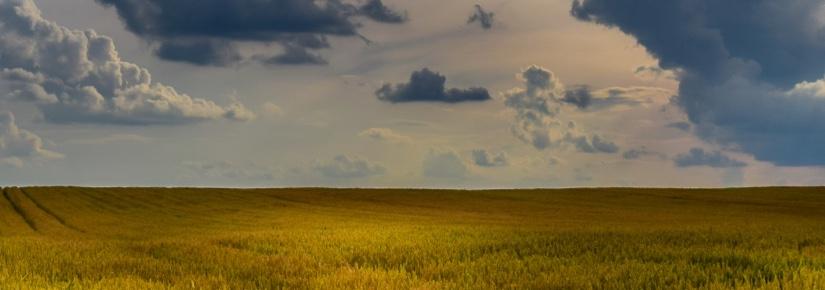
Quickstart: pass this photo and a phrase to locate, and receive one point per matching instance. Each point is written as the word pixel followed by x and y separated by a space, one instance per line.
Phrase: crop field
pixel 152 238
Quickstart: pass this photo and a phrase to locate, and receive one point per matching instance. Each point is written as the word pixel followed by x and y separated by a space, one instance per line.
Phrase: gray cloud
pixel 745 68
pixel 444 165
pixel 185 25
pixel 346 167
pixel 652 72
pixel 580 97
pixel 539 107
pixel 484 18
pixel 534 106
pixel 77 76
pixel 634 154
pixel 484 158
pixel 699 157
pixel 586 98
pixel 295 55
pixel 18 146
pixel 428 86
pixel 594 144
pixel 638 153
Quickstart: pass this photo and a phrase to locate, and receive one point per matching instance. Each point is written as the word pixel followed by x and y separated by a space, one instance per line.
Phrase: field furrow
pixel 39 220
pixel 49 213
pixel 12 222
pixel 13 199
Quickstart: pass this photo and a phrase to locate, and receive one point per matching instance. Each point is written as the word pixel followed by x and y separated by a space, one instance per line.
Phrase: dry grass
pixel 143 238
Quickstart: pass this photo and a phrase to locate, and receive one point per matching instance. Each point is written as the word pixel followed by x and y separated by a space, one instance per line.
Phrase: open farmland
pixel 151 238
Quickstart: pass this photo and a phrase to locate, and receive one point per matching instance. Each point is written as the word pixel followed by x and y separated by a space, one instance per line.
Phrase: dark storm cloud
pixel 256 20
pixel 76 76
pixel 376 10
pixel 428 86
pixel 199 52
pixel 748 69
pixel 700 157
pixel 261 21
pixel 484 18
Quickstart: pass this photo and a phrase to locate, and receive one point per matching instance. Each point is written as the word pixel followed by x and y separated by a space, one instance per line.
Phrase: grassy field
pixel 142 238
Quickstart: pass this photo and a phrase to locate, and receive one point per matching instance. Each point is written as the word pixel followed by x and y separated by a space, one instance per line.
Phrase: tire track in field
pixel 19 210
pixel 49 212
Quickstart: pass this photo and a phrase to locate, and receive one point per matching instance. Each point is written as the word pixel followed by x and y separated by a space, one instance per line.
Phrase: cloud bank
pixel 750 71
pixel 208 32
pixel 78 77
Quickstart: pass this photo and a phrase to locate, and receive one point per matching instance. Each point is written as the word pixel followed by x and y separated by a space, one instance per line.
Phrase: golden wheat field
pixel 151 238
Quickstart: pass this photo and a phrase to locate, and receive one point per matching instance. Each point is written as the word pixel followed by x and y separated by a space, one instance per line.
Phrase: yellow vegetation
pixel 150 238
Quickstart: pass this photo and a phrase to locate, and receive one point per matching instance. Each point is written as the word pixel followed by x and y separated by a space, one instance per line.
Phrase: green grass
pixel 148 238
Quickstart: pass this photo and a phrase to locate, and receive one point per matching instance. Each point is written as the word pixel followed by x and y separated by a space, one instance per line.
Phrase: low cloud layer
pixel 751 74
pixel 77 76
pixel 209 32
pixel 428 86
pixel 482 17
pixel 594 144
pixel 385 135
pixel 484 158
pixel 641 152
pixel 700 157
pixel 444 165
pixel 18 146
pixel 227 170
pixel 347 167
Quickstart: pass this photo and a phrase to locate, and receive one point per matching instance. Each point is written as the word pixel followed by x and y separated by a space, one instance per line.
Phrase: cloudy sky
pixel 427 93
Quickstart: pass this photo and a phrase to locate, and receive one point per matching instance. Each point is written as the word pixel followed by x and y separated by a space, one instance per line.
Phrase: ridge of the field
pixel 321 238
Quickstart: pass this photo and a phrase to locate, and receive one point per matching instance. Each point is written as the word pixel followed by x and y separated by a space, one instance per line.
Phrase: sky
pixel 424 94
